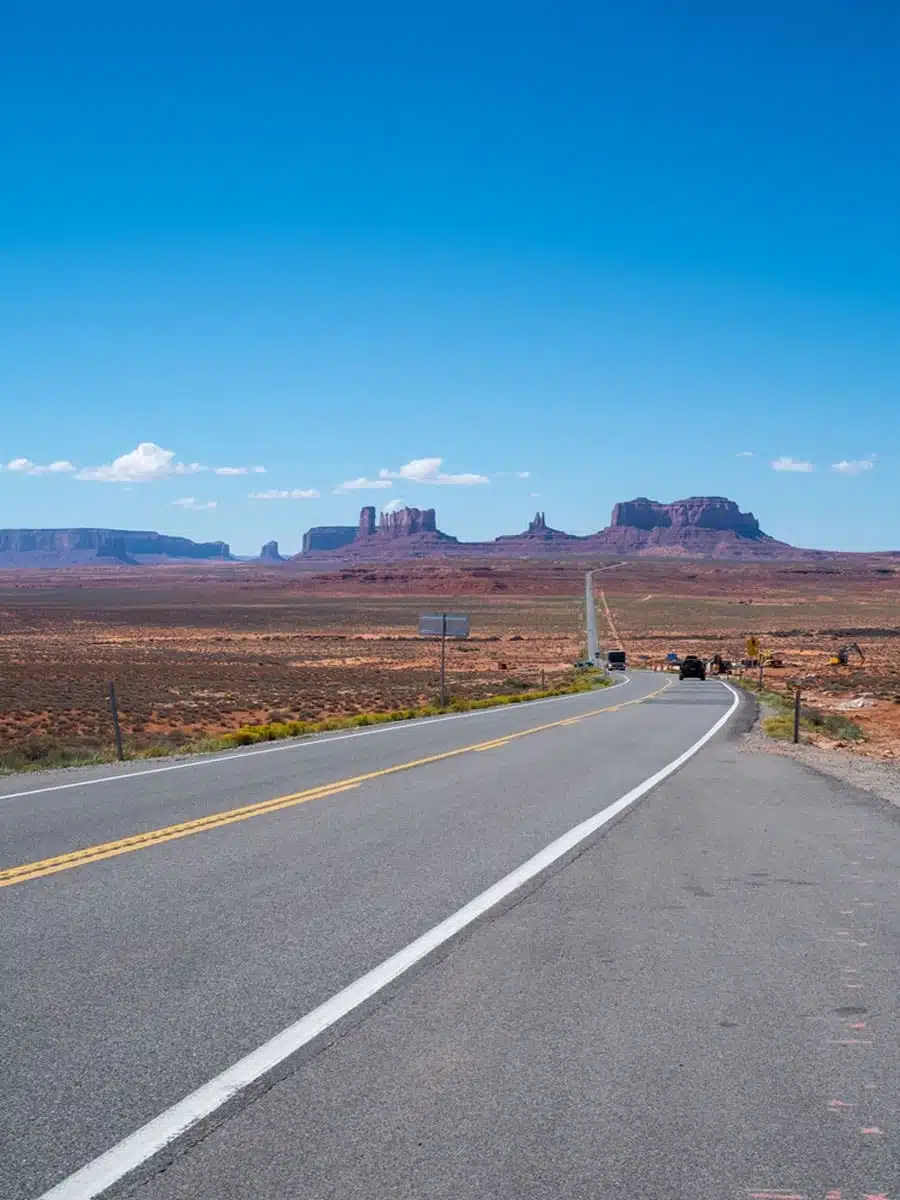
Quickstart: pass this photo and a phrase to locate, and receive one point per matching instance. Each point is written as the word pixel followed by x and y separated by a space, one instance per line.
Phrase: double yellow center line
pixel 156 837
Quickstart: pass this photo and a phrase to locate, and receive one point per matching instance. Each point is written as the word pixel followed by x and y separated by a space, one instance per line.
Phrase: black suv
pixel 692 667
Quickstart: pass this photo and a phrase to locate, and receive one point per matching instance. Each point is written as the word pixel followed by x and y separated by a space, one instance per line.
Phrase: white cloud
pixel 195 505
pixel 294 494
pixel 745 454
pixel 523 474
pixel 61 466
pixel 362 485
pixel 792 464
pixel 239 470
pixel 26 467
pixel 428 470
pixel 142 465
pixel 394 505
pixel 534 495
pixel 855 466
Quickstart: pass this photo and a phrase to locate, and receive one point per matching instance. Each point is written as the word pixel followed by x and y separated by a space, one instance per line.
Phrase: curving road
pixel 263 975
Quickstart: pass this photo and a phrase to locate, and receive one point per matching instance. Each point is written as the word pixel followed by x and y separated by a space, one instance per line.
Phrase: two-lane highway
pixel 699 1003
pixel 141 959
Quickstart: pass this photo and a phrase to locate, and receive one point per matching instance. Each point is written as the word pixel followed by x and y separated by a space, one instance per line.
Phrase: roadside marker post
pixel 117 730
pixel 797 716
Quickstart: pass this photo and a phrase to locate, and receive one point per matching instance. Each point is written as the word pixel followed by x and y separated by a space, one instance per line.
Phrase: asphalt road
pixel 702 1003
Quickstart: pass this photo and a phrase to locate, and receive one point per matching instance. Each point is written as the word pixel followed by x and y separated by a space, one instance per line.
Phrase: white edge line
pixel 301 743
pixel 94 1178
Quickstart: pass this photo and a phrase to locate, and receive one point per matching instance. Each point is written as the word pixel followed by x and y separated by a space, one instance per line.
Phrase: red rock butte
pixel 700 526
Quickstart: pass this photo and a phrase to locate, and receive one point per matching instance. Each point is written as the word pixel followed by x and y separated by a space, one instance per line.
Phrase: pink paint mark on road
pixel 777 1196
pixel 839 1105
pixel 842 932
pixel 850 970
pixel 857 1025
pixel 853 985
pixel 834 1194
pixel 874 1196
pixel 862 945
pixel 849 1042
pixel 872 1131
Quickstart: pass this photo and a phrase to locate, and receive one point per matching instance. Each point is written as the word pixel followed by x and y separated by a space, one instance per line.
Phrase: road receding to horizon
pixel 585 949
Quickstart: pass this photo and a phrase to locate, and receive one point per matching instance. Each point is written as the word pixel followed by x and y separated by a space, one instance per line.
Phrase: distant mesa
pixel 413 530
pixel 700 526
pixel 698 512
pixel 75 547
pixel 328 537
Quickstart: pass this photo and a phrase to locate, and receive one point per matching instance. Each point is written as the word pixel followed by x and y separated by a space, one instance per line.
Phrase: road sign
pixel 451 625
pixel 752 647
pixel 443 625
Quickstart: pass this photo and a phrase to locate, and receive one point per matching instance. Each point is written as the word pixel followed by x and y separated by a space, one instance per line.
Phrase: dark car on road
pixel 692 667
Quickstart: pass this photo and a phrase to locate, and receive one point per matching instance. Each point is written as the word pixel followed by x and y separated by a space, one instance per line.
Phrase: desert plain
pixel 207 649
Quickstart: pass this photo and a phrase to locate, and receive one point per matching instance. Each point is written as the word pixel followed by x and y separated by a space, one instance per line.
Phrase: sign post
pixel 443 625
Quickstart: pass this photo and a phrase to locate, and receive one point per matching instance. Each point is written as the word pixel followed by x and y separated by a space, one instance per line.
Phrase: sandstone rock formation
pixel 366 527
pixel 328 537
pixel 408 530
pixel 538 531
pixel 69 547
pixel 269 553
pixel 697 512
pixel 406 522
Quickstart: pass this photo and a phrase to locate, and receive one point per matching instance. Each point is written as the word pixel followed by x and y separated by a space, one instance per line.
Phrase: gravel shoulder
pixel 870 775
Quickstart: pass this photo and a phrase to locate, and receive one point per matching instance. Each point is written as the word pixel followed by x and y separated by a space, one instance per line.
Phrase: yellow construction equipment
pixel 841 657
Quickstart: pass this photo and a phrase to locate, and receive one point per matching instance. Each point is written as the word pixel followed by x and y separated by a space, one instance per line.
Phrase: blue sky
pixel 643 252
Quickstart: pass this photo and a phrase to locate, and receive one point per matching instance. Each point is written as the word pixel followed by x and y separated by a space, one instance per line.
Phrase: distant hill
pixel 698 527
pixel 77 547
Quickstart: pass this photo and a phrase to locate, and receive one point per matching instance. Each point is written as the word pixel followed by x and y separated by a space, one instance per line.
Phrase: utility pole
pixel 590 615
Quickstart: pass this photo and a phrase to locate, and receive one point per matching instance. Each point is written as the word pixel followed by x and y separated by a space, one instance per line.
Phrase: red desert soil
pixel 207 649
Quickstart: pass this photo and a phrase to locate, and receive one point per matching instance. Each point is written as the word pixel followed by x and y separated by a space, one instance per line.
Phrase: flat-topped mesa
pixel 697 512
pixel 269 553
pixel 328 537
pixel 63 547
